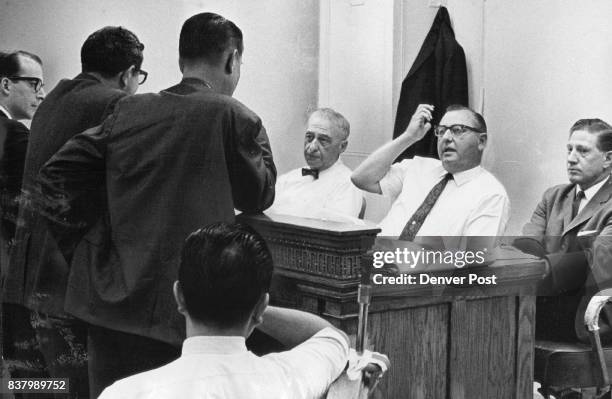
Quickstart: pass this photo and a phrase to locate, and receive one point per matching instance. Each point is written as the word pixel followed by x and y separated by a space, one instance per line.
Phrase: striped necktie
pixel 416 221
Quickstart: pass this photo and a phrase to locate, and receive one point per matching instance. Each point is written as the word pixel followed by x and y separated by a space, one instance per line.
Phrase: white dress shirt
pixel 5 112
pixel 222 367
pixel 332 196
pixel 473 203
pixel 589 193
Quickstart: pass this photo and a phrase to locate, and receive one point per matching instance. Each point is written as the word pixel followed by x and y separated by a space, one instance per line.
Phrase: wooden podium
pixel 469 343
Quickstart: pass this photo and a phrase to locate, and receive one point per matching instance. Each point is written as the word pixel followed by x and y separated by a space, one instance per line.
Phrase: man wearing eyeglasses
pixel 164 164
pixel 111 60
pixel 452 196
pixel 21 91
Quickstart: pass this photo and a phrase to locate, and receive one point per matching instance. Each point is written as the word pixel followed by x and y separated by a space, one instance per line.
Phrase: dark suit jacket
pixel 169 163
pixel 575 275
pixel 13 145
pixel 38 270
pixel 438 76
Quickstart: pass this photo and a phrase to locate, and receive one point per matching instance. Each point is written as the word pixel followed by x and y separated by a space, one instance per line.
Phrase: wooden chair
pixel 576 370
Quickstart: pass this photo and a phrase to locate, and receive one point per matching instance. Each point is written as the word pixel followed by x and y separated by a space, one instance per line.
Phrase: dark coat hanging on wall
pixel 439 77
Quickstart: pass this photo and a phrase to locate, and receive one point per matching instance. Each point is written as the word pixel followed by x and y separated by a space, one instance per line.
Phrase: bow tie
pixel 312 172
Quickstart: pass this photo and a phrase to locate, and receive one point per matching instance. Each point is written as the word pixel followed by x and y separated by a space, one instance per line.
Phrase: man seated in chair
pixel 569 219
pixel 324 189
pixel 452 196
pixel 222 290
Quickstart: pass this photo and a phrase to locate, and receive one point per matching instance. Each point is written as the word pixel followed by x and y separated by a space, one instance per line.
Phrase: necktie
pixel 416 221
pixel 576 204
pixel 312 172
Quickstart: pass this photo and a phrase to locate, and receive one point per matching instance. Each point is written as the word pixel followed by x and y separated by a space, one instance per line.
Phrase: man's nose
pixel 312 147
pixel 571 157
pixel 41 94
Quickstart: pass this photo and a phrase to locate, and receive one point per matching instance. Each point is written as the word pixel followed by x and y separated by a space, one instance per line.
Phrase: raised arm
pixel 291 327
pixel 368 175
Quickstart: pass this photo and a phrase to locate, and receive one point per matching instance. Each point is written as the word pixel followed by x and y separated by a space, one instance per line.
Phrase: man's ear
pixel 260 308
pixel 607 159
pixel 5 87
pixel 482 141
pixel 343 146
pixel 179 298
pixel 125 76
pixel 230 61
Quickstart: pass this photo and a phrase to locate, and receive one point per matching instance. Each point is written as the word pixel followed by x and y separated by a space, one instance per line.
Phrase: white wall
pixel 280 64
pixel 547 64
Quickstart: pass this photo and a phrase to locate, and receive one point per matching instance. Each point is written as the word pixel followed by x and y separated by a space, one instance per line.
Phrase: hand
pixel 372 374
pixel 420 122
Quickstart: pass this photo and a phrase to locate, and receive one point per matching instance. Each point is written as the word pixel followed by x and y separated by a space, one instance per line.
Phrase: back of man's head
pixel 111 50
pixel 206 36
pixel 225 270
pixel 10 65
pixel 598 127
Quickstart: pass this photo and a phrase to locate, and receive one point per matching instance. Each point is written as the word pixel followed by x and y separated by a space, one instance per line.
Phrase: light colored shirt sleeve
pixel 316 363
pixel 392 183
pixel 489 217
pixel 346 199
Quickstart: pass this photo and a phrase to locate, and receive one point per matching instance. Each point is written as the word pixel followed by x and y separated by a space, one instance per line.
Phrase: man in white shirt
pixel 222 291
pixel 453 196
pixel 324 189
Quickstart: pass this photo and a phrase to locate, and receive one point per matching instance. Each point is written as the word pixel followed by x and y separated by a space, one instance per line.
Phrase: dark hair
pixel 596 126
pixel 111 50
pixel 206 36
pixel 9 62
pixel 225 269
pixel 478 119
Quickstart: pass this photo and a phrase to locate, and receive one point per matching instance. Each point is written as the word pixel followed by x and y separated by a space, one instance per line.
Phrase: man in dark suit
pixel 570 219
pixel 165 163
pixel 21 91
pixel 111 61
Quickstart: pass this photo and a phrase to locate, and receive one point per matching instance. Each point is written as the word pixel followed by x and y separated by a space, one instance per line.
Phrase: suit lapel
pixel 601 197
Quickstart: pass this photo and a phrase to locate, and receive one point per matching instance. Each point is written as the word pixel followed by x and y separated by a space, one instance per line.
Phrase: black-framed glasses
pixel 456 130
pixel 36 83
pixel 142 76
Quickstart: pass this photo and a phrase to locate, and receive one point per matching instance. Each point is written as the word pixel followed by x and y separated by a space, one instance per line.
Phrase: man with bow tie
pixel 323 190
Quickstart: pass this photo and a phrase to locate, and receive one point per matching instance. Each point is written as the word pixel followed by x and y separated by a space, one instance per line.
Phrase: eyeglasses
pixel 142 76
pixel 36 83
pixel 456 130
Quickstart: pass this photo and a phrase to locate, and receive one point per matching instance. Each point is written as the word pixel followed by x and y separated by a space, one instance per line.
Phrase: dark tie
pixel 312 172
pixel 416 221
pixel 576 204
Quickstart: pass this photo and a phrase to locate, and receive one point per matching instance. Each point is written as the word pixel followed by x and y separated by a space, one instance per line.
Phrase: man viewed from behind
pixel 111 60
pixel 222 290
pixel 566 212
pixel 453 196
pixel 324 190
pixel 164 164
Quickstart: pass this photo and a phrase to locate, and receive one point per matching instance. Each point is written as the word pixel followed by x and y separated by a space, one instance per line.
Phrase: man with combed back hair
pixel 111 60
pixel 570 219
pixel 164 164
pixel 222 290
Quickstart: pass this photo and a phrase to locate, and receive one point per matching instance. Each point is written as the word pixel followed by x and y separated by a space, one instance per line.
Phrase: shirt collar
pixel 336 165
pixel 220 345
pixel 5 112
pixel 591 191
pixel 460 178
